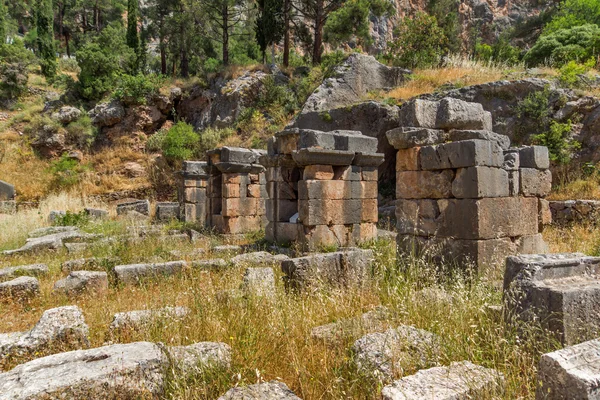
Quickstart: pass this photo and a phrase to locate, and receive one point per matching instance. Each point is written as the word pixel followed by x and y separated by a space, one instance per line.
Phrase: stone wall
pixel 462 193
pixel 192 192
pixel 322 188
pixel 236 190
pixel 564 212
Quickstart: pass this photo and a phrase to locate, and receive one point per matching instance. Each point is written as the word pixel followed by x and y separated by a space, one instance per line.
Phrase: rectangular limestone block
pixel 282 232
pixel 192 183
pixel 479 182
pixel 369 212
pixel 330 212
pixel 545 214
pixel 365 190
pixel 347 173
pixel 254 178
pixel 417 217
pixel 236 207
pixel 419 113
pixel 459 114
pixel 408 159
pixel 364 232
pixel 531 244
pixel 254 190
pixel 315 238
pixel 231 190
pixel 319 172
pixel 369 174
pixel 424 184
pixel 570 373
pixel 195 195
pixel 513 183
pixel 246 224
pixel 466 153
pixel 488 218
pixel 332 190
pixel 536 157
pixel 189 212
pixel 236 178
pixel 535 182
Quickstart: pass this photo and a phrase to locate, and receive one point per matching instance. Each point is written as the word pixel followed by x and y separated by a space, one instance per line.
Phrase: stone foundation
pixel 322 188
pixel 463 195
pixel 192 192
pixel 236 190
pixel 564 212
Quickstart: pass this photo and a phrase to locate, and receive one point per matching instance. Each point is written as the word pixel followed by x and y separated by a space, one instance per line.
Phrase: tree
pixel 132 37
pixel 3 12
pixel 316 12
pixel 158 15
pixel 45 38
pixel 573 13
pixel 224 15
pixel 269 25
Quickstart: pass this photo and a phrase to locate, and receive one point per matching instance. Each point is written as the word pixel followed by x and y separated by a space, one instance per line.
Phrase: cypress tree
pixel 3 12
pixel 269 25
pixel 132 37
pixel 45 38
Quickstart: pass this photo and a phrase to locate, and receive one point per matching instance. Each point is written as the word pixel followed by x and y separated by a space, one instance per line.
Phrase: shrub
pixel 68 65
pixel 499 52
pixel 14 61
pixel 72 219
pixel 137 89
pixel 574 13
pixel 67 172
pixel 419 42
pixel 155 142
pixel 211 65
pixel 211 138
pixel 559 141
pixel 570 72
pixel 180 142
pixel 558 48
pixel 81 132
pixel 330 61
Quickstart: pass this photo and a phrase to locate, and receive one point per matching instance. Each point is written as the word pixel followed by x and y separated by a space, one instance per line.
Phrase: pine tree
pixel 3 12
pixel 269 24
pixel 45 38
pixel 132 37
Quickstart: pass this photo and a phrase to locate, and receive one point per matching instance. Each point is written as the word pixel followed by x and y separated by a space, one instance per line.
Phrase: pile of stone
pixel 236 190
pixel 462 192
pixel 193 179
pixel 8 204
pixel 561 292
pixel 322 188
pixel 564 212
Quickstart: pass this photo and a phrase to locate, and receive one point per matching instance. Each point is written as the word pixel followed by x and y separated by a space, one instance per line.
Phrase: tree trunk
pixel 273 54
pixel 225 21
pixel 67 45
pixel 286 33
pixel 317 51
pixel 163 58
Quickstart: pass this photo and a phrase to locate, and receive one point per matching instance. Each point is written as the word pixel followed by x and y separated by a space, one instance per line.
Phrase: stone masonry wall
pixel 192 192
pixel 564 212
pixel 322 188
pixel 236 190
pixel 462 193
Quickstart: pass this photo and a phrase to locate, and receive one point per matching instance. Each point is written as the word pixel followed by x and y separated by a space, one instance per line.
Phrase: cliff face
pixel 478 19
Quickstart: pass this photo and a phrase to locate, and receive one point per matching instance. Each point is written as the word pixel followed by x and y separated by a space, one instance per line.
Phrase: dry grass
pixel 584 238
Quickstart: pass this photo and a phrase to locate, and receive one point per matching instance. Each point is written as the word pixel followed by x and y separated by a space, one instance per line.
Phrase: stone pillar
pixel 463 195
pixel 236 190
pixel 322 188
pixel 192 192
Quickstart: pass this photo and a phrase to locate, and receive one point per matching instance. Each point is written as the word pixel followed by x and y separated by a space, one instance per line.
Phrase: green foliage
pixel 45 37
pixel 72 219
pixel 154 143
pixel 66 172
pixel 81 133
pixel 137 89
pixel 132 36
pixel 572 13
pixel 3 22
pixel 446 14
pixel 68 65
pixel 211 65
pixel 570 72
pixel 579 44
pixel 331 61
pixel 419 42
pixel 211 138
pixel 561 145
pixel 500 52
pixel 180 142
pixel 536 107
pixel 14 61
pixel 269 24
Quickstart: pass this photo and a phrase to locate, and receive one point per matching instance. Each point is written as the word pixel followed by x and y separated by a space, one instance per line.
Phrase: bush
pixel 81 133
pixel 14 62
pixel 330 61
pixel 211 65
pixel 72 219
pixel 419 42
pixel 559 142
pixel 499 52
pixel 154 143
pixel 570 73
pixel 67 172
pixel 68 65
pixel 180 142
pixel 574 13
pixel 137 89
pixel 578 44
pixel 211 138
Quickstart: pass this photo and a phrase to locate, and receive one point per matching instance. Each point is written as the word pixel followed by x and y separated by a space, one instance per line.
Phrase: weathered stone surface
pixel 96 213
pixel 407 137
pixel 331 212
pixel 89 264
pixel 107 114
pixel 239 155
pixel 374 320
pixel 51 230
pixel 167 211
pixel 531 244
pixel 460 380
pixel 273 390
pixel 385 354
pixel 140 206
pixel 7 191
pixel 20 270
pixel 501 140
pixel 467 153
pixel 564 212
pixel 59 329
pixel 213 263
pixel 337 140
pixel 134 273
pixel 79 282
pixel 22 288
pixel 258 257
pixel 570 373
pixel 545 213
pixel 479 182
pixel 559 291
pixel 66 114
pixel 134 370
pixel 140 319
pixel 424 184
pixel 458 114
pixel 319 172
pixel 197 168
pixel 310 156
pixel 408 159
pixel 259 282
pixel 419 113
pixel 535 182
pixel 534 157
pixel 511 160
pixel 227 248
pixel 338 269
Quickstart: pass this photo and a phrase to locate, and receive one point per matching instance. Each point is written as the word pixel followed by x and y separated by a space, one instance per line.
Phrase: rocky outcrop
pixel 66 114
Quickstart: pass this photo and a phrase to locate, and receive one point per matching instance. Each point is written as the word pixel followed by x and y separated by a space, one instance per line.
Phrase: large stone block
pixel 534 157
pixel 195 167
pixel 417 217
pixel 7 191
pixel 458 114
pixel 330 212
pixel 330 190
pixel 167 211
pixel 338 140
pixel 467 153
pixel 195 195
pixel 570 373
pixel 419 113
pixel 273 390
pixel 240 207
pixel 22 288
pixel 535 182
pixel 311 156
pixel 501 140
pixel 140 206
pixel 369 174
pixel 545 214
pixel 408 159
pixel 233 225
pixel 348 173
pixel 405 138
pixel 424 184
pixel 531 244
pixel 559 291
pixel 479 182
pixel 79 282
pixel 318 172
pixel 134 273
pixel 240 155
pixel 282 232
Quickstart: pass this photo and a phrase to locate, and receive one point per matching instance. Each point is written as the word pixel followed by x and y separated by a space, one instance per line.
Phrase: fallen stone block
pixel 479 182
pixel 139 206
pixel 7 191
pixel 559 291
pixel 458 114
pixel 23 270
pixel 273 390
pixel 51 230
pixel 227 249
pixel 134 370
pixel 258 257
pixel 406 138
pixel 89 264
pixel 536 157
pixel 570 373
pixel 49 242
pixel 259 282
pixel 59 329
pixel 167 211
pixel 374 320
pixel 460 380
pixel 463 154
pixel 96 213
pixel 535 182
pixel 76 247
pixel 141 319
pixel 213 263
pixel 134 273
pixel 22 288
pixel 79 282
pixel 55 215
pixel 386 354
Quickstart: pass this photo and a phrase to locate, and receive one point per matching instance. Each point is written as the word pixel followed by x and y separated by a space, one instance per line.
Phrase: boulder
pixel 28 270
pixel 167 211
pixel 140 319
pixel 66 114
pixel 7 191
pixel 96 213
pixel 273 390
pixel 22 288
pixel 59 329
pixel 259 282
pixel 79 282
pixel 107 114
pixel 134 370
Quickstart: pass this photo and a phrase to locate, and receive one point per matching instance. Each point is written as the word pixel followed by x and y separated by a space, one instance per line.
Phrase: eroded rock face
pixel 66 114
pixel 107 114
pixel 273 390
pixel 134 370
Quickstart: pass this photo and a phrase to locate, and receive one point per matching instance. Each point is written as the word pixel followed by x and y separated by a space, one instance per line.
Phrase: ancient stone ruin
pixel 322 188
pixel 236 190
pixel 462 193
pixel 192 192
pixel 7 198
